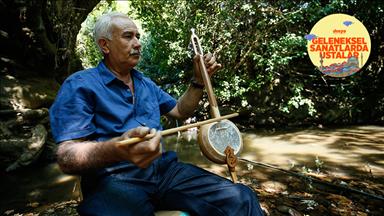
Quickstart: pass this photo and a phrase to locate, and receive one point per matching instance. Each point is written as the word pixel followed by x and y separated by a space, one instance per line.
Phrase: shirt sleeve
pixel 166 101
pixel 72 112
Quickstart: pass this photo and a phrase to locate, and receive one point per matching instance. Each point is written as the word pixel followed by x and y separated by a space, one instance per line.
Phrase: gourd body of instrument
pixel 213 138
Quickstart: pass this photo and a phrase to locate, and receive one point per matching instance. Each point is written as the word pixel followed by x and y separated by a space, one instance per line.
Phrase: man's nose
pixel 136 43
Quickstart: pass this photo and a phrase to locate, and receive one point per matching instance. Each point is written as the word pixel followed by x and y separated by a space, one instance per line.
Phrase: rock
pixel 9 212
pixel 33 149
pixel 288 210
pixel 27 93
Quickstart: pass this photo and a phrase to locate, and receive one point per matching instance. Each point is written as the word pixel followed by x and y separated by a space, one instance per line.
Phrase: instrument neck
pixel 208 86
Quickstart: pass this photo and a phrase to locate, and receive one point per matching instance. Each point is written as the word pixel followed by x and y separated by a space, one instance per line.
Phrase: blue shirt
pixel 93 103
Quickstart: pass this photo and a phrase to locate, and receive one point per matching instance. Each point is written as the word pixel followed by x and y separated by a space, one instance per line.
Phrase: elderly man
pixel 99 106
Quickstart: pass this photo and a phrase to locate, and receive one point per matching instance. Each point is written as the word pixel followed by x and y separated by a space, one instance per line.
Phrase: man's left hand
pixel 210 64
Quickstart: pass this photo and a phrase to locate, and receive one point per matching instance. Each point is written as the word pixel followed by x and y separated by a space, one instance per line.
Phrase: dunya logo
pixel 338 45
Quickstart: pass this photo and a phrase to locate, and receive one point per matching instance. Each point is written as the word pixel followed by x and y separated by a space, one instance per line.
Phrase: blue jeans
pixel 165 185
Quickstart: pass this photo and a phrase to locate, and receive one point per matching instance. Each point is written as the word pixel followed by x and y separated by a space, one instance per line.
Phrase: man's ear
pixel 103 44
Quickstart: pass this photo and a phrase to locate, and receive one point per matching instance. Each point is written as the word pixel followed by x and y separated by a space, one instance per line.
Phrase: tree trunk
pixel 38 40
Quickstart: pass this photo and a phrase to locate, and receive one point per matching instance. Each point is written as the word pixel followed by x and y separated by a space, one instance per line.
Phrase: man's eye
pixel 131 36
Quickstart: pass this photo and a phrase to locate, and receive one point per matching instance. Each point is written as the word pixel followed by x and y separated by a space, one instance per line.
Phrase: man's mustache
pixel 135 52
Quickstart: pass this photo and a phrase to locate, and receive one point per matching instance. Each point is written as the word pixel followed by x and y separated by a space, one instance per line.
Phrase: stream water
pixel 356 150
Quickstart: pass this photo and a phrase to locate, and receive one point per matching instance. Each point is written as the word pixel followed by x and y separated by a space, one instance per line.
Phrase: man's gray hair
pixel 103 26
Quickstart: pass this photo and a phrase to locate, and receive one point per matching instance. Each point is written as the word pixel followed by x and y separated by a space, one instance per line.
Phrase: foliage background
pixel 267 75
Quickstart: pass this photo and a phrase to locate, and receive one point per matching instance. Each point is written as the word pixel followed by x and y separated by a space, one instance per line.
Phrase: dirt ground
pixel 321 194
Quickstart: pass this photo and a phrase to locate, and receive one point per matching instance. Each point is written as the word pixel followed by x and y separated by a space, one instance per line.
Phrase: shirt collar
pixel 107 76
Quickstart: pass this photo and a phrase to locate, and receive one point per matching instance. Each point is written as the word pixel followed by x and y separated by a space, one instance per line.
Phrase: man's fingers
pixel 142 153
pixel 207 57
pixel 138 132
pixel 145 147
pixel 213 68
pixel 142 131
pixel 147 151
pixel 210 61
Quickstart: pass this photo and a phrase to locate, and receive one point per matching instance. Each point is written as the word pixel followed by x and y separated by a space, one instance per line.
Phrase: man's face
pixel 124 47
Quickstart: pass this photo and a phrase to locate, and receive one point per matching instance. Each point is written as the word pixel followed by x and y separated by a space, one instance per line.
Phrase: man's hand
pixel 190 99
pixel 142 153
pixel 210 63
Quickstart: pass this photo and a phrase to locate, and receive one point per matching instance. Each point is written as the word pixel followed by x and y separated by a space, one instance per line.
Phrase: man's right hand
pixel 142 153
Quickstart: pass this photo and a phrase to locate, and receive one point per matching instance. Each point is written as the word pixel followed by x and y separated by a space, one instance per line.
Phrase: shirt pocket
pixel 148 113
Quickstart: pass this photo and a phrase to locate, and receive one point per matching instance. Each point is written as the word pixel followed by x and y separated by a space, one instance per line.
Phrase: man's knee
pixel 243 194
pixel 244 201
